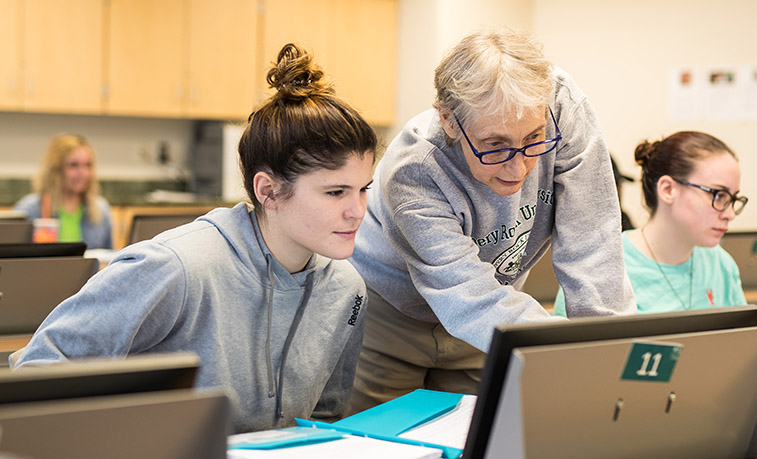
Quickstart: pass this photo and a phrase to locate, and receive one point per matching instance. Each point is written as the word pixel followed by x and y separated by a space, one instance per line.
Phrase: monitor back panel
pixel 569 395
pixel 31 287
pixel 145 227
pixel 181 424
pixel 14 231
pixel 743 248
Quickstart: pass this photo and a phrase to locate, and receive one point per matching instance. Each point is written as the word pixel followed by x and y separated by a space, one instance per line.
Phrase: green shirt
pixel 714 281
pixel 70 225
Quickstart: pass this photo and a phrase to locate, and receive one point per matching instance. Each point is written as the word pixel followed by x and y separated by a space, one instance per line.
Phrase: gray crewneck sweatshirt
pixel 441 246
pixel 282 345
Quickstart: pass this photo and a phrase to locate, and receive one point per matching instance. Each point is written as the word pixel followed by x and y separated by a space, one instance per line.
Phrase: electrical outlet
pixel 164 156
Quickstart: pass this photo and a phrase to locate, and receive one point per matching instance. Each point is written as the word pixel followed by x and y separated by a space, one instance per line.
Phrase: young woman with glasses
pixel 466 200
pixel 690 182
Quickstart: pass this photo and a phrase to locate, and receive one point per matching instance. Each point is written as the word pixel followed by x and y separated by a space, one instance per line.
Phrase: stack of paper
pixel 347 447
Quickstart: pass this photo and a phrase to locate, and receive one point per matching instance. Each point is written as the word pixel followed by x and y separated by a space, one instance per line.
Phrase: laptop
pixel 31 287
pixel 742 245
pixel 145 227
pixel 138 407
pixel 15 230
pixel 49 249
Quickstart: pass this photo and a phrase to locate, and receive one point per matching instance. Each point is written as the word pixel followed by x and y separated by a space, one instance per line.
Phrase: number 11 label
pixel 651 362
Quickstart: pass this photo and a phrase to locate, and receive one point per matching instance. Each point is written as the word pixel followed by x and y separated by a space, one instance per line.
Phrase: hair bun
pixel 295 75
pixel 644 151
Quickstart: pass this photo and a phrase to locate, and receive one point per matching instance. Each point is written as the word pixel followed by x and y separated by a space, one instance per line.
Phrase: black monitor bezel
pixel 48 249
pixel 98 377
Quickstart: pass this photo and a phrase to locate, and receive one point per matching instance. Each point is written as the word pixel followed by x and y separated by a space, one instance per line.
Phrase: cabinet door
pixel 303 22
pixel 222 70
pixel 353 40
pixel 62 48
pixel 364 56
pixel 10 58
pixel 145 57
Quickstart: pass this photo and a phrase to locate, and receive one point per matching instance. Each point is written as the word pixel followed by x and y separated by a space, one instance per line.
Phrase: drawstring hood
pixel 288 342
pixel 269 364
pixel 276 392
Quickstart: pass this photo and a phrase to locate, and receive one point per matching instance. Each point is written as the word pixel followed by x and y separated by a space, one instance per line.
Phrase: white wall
pixel 622 53
pixel 427 29
pixel 126 148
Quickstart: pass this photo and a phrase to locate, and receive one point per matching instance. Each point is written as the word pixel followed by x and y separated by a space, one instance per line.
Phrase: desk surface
pixel 13 342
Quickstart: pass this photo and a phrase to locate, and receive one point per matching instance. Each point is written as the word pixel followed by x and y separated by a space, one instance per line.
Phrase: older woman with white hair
pixel 467 198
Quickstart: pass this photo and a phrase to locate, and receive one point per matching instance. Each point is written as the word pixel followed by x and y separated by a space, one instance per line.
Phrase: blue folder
pixel 394 417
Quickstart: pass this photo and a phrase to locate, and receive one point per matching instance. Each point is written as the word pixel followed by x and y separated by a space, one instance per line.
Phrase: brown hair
pixel 676 156
pixel 50 181
pixel 302 127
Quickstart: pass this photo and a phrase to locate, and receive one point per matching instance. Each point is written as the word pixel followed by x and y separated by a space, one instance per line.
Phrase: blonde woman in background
pixel 66 189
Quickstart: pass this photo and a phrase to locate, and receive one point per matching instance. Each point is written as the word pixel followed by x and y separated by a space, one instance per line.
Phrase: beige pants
pixel 401 354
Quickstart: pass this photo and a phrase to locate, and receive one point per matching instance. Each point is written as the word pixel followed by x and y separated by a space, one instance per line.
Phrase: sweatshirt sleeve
pixel 445 268
pixel 126 308
pixel 587 249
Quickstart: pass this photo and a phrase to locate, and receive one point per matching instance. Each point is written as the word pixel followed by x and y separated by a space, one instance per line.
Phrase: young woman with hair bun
pixel 690 183
pixel 262 291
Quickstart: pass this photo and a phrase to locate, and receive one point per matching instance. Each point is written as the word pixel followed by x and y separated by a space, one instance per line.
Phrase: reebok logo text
pixel 355 310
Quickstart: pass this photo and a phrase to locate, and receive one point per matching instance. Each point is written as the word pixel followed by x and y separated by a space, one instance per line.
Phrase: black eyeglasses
pixel 721 199
pixel 506 154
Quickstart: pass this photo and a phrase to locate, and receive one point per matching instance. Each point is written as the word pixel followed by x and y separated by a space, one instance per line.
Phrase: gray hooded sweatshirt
pixel 442 247
pixel 282 345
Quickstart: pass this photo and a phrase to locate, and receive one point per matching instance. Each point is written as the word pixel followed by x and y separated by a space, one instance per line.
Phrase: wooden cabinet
pixel 51 55
pixel 63 57
pixel 145 57
pixel 188 58
pixel 182 58
pixel 353 40
pixel 222 49
pixel 10 55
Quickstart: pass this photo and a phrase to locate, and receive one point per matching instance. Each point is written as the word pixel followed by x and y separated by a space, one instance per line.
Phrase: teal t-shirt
pixel 70 225
pixel 714 281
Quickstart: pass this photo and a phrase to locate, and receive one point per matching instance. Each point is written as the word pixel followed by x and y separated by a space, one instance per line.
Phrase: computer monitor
pixel 49 249
pixel 564 389
pixel 98 377
pixel 15 230
pixel 30 288
pixel 145 227
pixel 135 407
pixel 742 246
